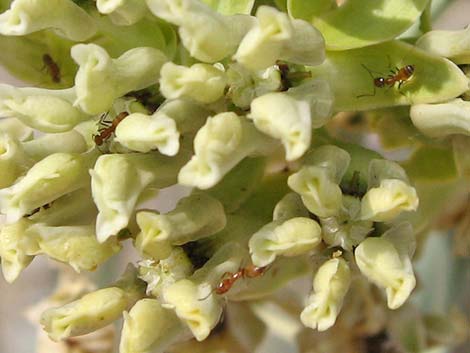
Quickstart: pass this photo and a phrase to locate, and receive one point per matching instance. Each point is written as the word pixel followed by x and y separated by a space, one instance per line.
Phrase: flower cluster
pixel 245 110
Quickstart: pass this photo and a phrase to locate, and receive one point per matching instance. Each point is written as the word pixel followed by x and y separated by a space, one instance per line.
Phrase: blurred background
pixel 444 280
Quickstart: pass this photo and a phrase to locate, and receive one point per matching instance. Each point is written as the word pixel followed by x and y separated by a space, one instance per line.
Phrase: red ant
pixel 229 278
pixel 52 68
pixel 109 127
pixel 398 75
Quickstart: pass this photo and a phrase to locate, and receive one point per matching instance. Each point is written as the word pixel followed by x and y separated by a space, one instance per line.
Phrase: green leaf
pixel 359 23
pixel 350 74
pixel 431 164
pixel 231 7
pixel 308 10
pixel 394 127
pixel 148 32
pixel 22 56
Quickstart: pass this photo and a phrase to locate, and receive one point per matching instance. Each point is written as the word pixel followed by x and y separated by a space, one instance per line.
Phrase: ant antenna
pixel 373 78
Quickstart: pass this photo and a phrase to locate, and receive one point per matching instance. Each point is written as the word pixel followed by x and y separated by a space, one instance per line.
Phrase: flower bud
pixel 149 327
pixel 92 311
pixel 275 37
pixel 144 133
pixel 12 160
pixel 50 178
pixel 206 34
pixel 47 144
pixel 15 128
pixel 122 12
pixel 448 44
pixel 299 108
pixel 386 262
pixel 117 181
pixel 219 145
pixel 292 237
pixel 193 299
pixel 317 182
pixel 16 249
pixel 203 83
pixel 195 217
pixel 199 313
pixel 45 110
pixel 294 129
pixel 384 203
pixel 163 273
pixel 63 16
pixel 100 79
pixel 440 120
pixel 330 285
pixel 68 244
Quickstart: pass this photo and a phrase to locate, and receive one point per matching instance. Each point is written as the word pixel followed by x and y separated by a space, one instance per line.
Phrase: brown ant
pixel 229 278
pixel 52 68
pixel 108 127
pixel 398 75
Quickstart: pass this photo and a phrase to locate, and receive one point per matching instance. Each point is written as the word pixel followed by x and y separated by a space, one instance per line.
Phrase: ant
pixel 229 278
pixel 108 127
pixel 36 210
pixel 289 77
pixel 52 68
pixel 398 75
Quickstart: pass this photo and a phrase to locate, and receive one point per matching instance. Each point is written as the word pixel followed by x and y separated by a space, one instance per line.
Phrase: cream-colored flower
pixel 330 285
pixel 63 16
pixel 94 310
pixel 195 217
pixel 100 79
pixel 149 327
pixel 440 120
pixel 144 133
pixel 206 34
pixel 160 274
pixel 203 83
pixel 220 144
pixel 276 36
pixel 117 181
pixel 49 179
pixel 386 261
pixel 448 44
pixel 388 200
pixel 122 12
pixel 292 237
pixel 13 160
pixel 42 109
pixel 16 249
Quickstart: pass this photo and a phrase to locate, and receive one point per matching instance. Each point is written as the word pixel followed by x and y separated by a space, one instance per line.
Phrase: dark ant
pixel 36 210
pixel 229 278
pixel 397 75
pixel 108 127
pixel 52 68
pixel 289 77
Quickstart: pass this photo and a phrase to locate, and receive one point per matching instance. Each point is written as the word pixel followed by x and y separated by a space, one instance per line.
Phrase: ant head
pixel 410 69
pixel 379 82
pixel 98 140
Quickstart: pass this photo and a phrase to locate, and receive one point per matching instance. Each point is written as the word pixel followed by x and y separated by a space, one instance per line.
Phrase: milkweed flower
pixel 261 111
